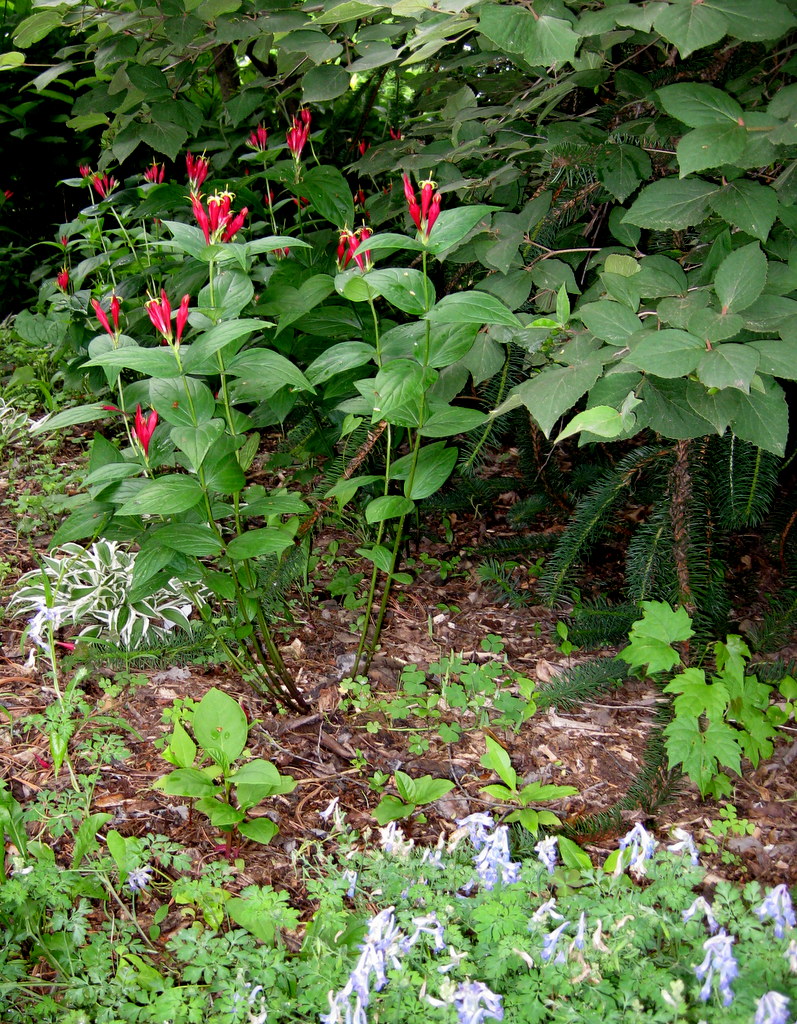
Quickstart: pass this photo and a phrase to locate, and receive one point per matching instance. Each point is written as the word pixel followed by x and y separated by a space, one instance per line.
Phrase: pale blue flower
pixel 434 858
pixel 721 961
pixel 551 941
pixel 791 956
pixel 685 844
pixel 493 863
pixel 479 827
pixel 777 907
pixel 546 851
pixel 581 931
pixel 139 878
pixel 428 925
pixel 475 1003
pixel 350 877
pixel 772 1008
pixel 643 846
pixel 701 906
pixel 546 910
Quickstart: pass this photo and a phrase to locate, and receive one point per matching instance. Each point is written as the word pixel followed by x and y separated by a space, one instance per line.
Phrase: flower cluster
pixel 348 244
pixel 144 428
pixel 218 222
pixel 425 213
pixel 62 278
pixel 719 960
pixel 777 907
pixel 139 878
pixel 296 137
pixel 546 850
pixel 642 845
pixel 258 138
pixel 772 1008
pixel 103 184
pixel 156 173
pixel 197 168
pixel 160 313
pixel 102 316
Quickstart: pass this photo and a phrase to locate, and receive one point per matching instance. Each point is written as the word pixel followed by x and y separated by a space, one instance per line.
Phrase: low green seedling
pixel 223 790
pixel 497 760
pixel 413 793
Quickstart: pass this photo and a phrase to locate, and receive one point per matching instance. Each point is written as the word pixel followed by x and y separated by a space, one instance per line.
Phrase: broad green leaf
pixel 163 136
pixel 196 442
pixel 190 782
pixel 710 146
pixel 690 26
pixel 400 387
pixel 388 506
pixel 35 27
pixel 188 538
pixel 391 808
pixel 220 725
pixel 259 830
pixel 484 359
pixel 447 344
pixel 620 168
pixel 257 773
pixel 754 20
pixel 157 362
pixel 741 277
pixel 381 556
pixel 498 761
pixel 698 105
pixel 264 372
pixel 601 420
pixel 778 356
pixel 71 417
pixel 221 814
pixel 540 39
pixel 13 59
pixel 553 392
pixel 219 337
pixel 328 191
pixel 268 540
pixel 472 308
pixel 763 419
pixel 434 466
pixel 697 697
pixel 711 326
pixel 671 203
pixel 181 750
pixel 453 225
pixel 610 321
pixel 453 420
pixel 324 83
pixel 345 356
pixel 747 205
pixel 167 495
pixel 667 353
pixel 183 402
pixel 728 366
pixel 406 289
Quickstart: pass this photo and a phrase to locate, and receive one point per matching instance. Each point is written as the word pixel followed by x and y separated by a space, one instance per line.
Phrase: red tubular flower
pixel 362 146
pixel 115 306
pixel 160 313
pixel 156 173
pixel 359 197
pixel 235 225
pixel 425 214
pixel 85 171
pixel 64 241
pixel 7 193
pixel 362 235
pixel 345 248
pixel 268 197
pixel 258 139
pixel 182 316
pixel 297 136
pixel 201 216
pixel 144 428
pixel 197 168
pixel 104 185
pixel 396 135
pixel 102 317
pixel 62 278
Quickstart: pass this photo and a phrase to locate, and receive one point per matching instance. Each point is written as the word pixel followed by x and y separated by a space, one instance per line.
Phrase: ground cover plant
pixel 357 314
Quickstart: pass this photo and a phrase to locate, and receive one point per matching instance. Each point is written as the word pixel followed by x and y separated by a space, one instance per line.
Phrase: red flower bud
pixel 101 316
pixel 182 316
pixel 156 173
pixel 62 278
pixel 258 139
pixel 197 168
pixel 144 428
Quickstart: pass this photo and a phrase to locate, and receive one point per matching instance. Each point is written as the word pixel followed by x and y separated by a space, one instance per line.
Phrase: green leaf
pixel 324 83
pixel 701 752
pixel 447 343
pixel 453 420
pixel 697 697
pixel 453 225
pixel 268 540
pixel 747 205
pixel 601 420
pixel 156 362
pixel 711 326
pixel 390 808
pixel 754 20
pixel 777 356
pixel 188 782
pixel 763 418
pixel 181 750
pixel 690 26
pixel 196 355
pixel 711 146
pixel 183 402
pixel 498 761
pixel 406 289
pixel 554 391
pixel 620 168
pixel 196 442
pixel 434 466
pixel 728 366
pixel 188 538
pixel 700 106
pixel 163 136
pixel 573 856
pixel 539 40
pixel 264 372
pixel 259 830
pixel 70 418
pixel 167 495
pixel 11 59
pixel 345 356
pixel 667 353
pixel 741 277
pixel 220 726
pixel 472 308
pixel 328 191
pixel 427 789
pixel 610 321
pixel 35 27
pixel 400 387
pixel 388 506
pixel 671 203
